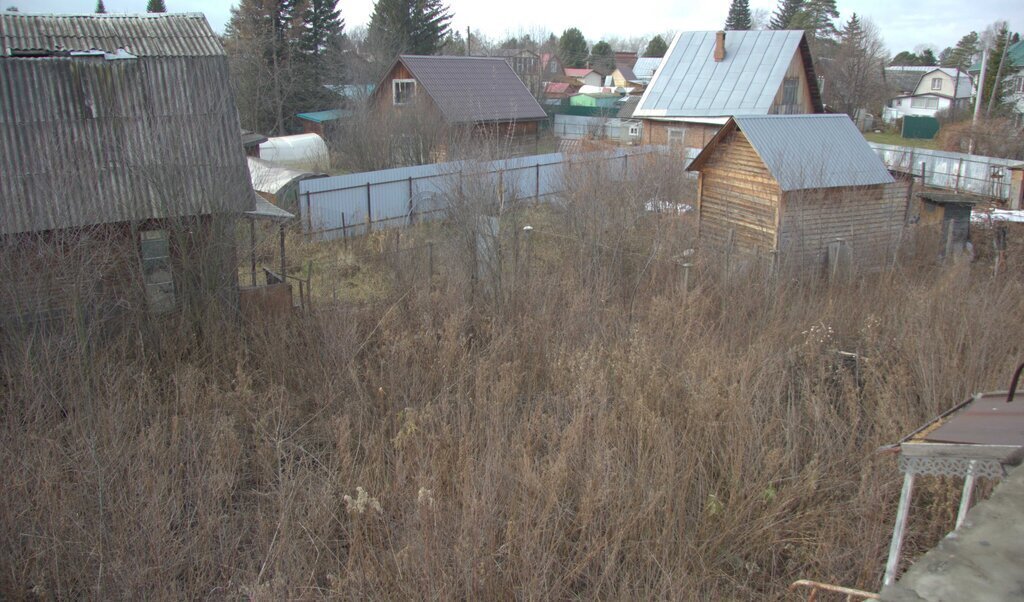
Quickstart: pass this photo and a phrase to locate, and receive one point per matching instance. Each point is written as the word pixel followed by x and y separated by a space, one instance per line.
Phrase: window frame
pixel 395 88
pixel 936 83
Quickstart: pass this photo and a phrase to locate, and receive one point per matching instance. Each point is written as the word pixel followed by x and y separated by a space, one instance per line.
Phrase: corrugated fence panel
pixel 986 176
pixel 337 206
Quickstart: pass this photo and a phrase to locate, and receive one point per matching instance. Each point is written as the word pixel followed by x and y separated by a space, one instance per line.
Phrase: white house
pixel 924 91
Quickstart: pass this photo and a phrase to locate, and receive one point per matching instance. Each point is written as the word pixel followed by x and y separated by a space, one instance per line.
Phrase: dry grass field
pixel 565 422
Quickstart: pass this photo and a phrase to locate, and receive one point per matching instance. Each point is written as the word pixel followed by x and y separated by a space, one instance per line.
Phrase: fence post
pixel 344 230
pixel 412 216
pixel 536 191
pixel 309 215
pixel 959 168
pixel 948 257
pixel 369 210
pixel 923 174
pixel 686 280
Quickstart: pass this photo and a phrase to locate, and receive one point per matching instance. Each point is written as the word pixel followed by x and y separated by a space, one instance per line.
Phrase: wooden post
pixel 252 249
pixel 959 168
pixel 283 260
pixel 369 210
pixel 344 230
pixel 923 183
pixel 412 216
pixel 948 256
pixel 625 166
pixel 686 280
pixel 430 260
pixel 536 190
pixel 309 215
pixel 965 495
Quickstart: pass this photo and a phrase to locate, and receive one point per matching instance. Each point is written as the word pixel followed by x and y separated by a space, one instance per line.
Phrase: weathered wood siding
pixel 738 195
pixel 803 93
pixel 868 218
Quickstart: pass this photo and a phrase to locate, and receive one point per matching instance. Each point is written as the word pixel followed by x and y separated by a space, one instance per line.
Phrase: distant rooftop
pixel 328 115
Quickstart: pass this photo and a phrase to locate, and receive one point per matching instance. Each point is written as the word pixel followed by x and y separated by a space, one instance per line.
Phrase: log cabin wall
pixel 737 195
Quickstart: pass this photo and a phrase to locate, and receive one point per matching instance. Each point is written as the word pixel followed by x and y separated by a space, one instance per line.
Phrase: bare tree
pixel 857 71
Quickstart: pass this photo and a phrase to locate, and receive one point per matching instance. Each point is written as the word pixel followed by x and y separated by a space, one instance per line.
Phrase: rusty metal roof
pixel 986 419
pixel 87 140
pixel 146 35
pixel 472 89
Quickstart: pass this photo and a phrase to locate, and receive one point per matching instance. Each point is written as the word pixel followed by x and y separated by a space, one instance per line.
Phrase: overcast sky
pixel 904 25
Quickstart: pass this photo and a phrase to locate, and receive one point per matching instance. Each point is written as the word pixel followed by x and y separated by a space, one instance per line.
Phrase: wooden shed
pixel 793 187
pixel 946 214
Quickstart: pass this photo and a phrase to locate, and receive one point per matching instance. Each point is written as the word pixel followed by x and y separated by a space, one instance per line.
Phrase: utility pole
pixel 469 42
pixel 981 87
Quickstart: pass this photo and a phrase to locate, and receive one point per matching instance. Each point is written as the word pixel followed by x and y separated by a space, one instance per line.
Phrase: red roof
pixel 578 72
pixel 557 87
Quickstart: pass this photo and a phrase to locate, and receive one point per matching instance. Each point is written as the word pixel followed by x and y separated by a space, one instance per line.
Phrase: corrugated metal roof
pixel 645 67
pixel 156 34
pixel 85 140
pixel 471 89
pixel 690 83
pixel 627 107
pixel 808 151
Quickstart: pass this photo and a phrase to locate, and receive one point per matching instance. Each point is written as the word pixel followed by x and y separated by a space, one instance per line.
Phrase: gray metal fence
pixel 986 176
pixel 357 203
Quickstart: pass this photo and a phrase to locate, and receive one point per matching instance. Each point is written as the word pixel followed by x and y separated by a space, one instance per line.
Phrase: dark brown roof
pixel 627 73
pixel 471 89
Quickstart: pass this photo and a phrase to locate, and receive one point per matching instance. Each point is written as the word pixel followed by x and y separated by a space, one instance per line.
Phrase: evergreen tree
pixel 572 48
pixel 905 58
pixel 100 9
pixel 821 15
pixel 994 92
pixel 602 57
pixel 656 48
pixel 785 13
pixel 408 27
pixel 323 27
pixel 927 58
pixel 156 6
pixel 962 55
pixel 739 16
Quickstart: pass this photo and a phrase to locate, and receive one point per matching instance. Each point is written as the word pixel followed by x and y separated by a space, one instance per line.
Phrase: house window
pixel 676 138
pixel 1018 85
pixel 898 103
pixel 789 89
pixel 156 269
pixel 634 130
pixel 924 103
pixel 936 83
pixel 403 90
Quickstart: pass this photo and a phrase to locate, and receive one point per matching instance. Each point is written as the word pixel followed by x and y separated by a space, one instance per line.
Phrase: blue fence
pixel 357 203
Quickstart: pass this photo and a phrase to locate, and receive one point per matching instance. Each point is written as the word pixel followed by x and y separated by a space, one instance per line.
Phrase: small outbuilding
pixel 798 187
pixel 946 214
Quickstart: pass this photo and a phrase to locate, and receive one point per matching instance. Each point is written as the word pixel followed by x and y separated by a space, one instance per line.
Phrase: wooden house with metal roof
pixel 481 95
pixel 799 189
pixel 706 77
pixel 123 170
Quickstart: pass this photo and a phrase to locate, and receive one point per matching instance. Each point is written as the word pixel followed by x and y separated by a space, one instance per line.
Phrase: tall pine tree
pixel 156 6
pixel 821 16
pixel 994 92
pixel 602 57
pixel 408 27
pixel 785 14
pixel 100 9
pixel 739 16
pixel 323 27
pixel 962 55
pixel 572 48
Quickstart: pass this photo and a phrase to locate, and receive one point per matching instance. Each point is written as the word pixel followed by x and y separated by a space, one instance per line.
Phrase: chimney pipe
pixel 719 46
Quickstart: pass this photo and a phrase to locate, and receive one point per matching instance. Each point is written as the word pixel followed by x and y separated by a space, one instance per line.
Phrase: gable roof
pixel 627 73
pixel 472 89
pixel 690 83
pixel 145 35
pixel 581 72
pixel 627 107
pixel 806 151
pixel 102 137
pixel 645 67
pixel 906 79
